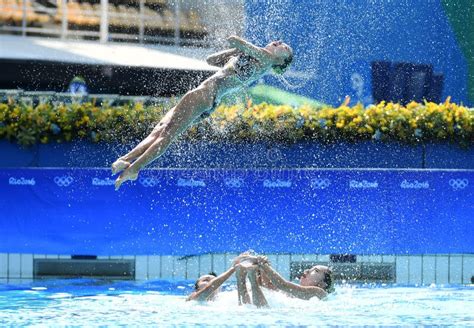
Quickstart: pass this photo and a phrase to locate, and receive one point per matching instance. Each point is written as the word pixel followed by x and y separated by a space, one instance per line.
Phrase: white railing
pixel 146 21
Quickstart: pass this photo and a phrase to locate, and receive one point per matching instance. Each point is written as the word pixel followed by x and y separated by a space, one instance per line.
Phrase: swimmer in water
pixel 314 282
pixel 208 286
pixel 241 65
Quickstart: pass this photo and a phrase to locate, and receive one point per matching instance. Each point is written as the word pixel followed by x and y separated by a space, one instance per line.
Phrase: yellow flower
pixel 412 105
pixel 24 123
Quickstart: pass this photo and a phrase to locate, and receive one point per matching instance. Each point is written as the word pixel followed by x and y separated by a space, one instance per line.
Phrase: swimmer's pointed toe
pixel 118 183
pixel 119 165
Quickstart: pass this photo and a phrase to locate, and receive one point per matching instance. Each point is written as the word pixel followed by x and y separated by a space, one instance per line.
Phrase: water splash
pixel 304 78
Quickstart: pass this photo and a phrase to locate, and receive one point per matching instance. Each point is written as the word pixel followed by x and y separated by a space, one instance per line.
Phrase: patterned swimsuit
pixel 244 68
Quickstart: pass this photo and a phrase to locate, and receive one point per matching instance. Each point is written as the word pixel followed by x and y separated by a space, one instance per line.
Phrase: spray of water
pixel 276 23
pixel 298 80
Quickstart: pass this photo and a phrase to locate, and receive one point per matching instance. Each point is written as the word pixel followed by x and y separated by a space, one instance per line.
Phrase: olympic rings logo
pixel 148 181
pixel 458 184
pixel 234 183
pixel 63 181
pixel 274 154
pixel 320 183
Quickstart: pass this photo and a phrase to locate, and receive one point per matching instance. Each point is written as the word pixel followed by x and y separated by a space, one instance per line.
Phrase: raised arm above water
pixel 246 47
pixel 302 292
pixel 220 58
pixel 213 285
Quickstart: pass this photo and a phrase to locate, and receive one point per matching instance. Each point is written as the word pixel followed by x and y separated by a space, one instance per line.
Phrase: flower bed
pixel 413 123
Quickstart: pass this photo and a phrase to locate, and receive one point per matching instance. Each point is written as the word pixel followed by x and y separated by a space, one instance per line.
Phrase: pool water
pixel 86 302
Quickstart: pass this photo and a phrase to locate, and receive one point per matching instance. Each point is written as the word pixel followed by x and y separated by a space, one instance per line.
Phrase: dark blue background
pixel 170 219
pixel 238 155
pixel 334 39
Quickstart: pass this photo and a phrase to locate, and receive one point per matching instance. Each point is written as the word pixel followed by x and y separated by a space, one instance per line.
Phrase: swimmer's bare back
pixel 201 101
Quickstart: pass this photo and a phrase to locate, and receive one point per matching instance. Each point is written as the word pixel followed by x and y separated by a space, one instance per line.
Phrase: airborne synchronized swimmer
pixel 241 65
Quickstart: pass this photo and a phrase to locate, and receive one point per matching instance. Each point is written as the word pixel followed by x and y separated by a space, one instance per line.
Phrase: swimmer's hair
pixel 212 273
pixel 328 281
pixel 280 69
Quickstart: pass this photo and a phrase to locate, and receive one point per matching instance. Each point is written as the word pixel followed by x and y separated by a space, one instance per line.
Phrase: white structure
pixel 90 52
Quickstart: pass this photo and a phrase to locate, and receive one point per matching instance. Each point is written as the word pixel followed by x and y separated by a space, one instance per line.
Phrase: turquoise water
pixel 85 302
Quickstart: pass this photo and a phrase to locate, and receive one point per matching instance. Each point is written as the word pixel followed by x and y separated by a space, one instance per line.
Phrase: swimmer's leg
pixel 123 162
pixel 119 165
pixel 157 148
pixel 192 105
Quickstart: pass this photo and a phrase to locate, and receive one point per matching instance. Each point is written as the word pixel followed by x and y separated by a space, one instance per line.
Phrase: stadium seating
pixel 159 16
pixel 11 13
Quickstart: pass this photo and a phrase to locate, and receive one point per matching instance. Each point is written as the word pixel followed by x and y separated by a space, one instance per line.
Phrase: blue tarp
pixel 183 212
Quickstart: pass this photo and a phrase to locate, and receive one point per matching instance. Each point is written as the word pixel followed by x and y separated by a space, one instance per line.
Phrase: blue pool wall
pixel 197 211
pixel 207 154
pixel 406 200
pixel 332 40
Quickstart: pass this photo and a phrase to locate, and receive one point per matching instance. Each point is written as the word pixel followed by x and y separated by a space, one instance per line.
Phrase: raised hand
pixel 247 259
pixel 262 260
pixel 244 256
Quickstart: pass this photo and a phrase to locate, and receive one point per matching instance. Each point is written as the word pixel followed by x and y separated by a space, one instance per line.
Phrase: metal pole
pixel 64 19
pixel 176 22
pixel 141 25
pixel 23 19
pixel 104 21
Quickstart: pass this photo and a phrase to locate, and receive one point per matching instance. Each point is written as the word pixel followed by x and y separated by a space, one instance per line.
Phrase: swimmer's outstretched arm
pixel 221 58
pixel 302 292
pixel 261 54
pixel 213 285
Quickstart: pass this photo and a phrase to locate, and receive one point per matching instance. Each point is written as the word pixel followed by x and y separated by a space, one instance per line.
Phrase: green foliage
pixel 27 125
pixel 21 123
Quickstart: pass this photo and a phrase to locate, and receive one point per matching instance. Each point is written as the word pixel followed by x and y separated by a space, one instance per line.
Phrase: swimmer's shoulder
pixel 308 292
pixel 194 297
pixel 198 297
pixel 316 292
